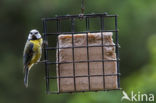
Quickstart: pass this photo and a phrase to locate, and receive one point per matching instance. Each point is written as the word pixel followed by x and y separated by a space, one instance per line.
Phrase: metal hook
pixel 82 7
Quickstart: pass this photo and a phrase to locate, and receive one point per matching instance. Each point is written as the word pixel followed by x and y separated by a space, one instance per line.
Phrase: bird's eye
pixel 36 32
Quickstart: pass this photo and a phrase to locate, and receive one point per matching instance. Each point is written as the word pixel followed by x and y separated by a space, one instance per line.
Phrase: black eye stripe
pixel 33 33
pixel 36 32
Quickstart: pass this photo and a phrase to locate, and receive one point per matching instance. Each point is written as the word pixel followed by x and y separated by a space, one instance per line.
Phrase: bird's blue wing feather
pixel 28 53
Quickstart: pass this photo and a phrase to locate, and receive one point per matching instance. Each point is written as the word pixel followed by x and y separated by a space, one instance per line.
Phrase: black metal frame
pixel 86 17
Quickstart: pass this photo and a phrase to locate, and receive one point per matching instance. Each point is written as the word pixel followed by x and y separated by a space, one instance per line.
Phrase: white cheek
pixel 38 36
pixel 29 37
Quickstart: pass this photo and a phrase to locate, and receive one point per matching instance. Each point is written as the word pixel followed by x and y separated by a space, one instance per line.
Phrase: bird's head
pixel 34 34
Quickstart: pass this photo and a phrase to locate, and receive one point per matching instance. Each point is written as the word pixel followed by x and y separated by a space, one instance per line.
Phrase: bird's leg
pixel 45 43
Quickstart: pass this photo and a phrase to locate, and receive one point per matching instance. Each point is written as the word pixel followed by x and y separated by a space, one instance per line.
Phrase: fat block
pixel 96 68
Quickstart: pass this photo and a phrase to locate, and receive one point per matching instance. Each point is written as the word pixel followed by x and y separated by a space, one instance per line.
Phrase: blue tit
pixel 32 52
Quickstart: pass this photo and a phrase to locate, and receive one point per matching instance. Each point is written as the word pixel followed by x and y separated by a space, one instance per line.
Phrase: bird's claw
pixel 43 61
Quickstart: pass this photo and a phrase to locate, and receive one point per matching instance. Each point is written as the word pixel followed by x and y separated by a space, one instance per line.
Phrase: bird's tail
pixel 26 77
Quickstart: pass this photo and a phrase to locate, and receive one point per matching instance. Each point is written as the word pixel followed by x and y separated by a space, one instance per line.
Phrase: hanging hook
pixel 82 7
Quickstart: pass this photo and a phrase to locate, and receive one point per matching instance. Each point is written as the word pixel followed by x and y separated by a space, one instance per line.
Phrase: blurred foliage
pixel 145 81
pixel 136 24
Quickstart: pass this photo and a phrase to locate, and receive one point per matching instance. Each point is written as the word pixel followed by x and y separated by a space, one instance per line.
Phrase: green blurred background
pixel 137 25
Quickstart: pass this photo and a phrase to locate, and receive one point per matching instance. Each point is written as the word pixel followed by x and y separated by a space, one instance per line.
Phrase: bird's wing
pixel 28 53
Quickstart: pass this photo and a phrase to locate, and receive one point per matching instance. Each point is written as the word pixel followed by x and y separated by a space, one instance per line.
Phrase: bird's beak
pixel 34 37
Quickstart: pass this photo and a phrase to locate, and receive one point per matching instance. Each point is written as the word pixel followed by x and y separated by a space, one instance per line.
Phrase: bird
pixel 32 52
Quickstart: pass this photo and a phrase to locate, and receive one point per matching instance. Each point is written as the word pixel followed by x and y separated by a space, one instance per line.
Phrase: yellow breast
pixel 37 49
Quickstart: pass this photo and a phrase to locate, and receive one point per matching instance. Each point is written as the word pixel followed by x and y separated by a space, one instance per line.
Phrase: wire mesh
pixel 88 29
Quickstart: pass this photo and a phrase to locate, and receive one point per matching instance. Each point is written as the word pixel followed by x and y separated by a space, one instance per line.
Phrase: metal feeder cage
pixel 104 17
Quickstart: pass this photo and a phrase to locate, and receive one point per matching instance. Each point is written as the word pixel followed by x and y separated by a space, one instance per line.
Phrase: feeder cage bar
pixel 46 55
